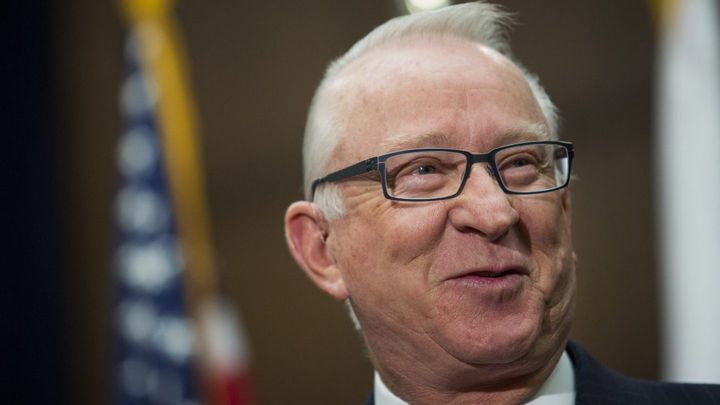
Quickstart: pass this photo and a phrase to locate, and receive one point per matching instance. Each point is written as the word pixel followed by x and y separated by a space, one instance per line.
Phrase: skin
pixel 435 333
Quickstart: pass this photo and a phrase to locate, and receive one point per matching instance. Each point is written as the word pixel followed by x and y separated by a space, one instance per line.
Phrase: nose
pixel 482 206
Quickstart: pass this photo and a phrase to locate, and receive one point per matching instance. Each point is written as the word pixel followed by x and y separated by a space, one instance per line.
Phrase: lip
pixel 501 280
pixel 490 273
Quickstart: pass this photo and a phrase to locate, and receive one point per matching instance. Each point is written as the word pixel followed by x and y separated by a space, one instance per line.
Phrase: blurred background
pixel 253 69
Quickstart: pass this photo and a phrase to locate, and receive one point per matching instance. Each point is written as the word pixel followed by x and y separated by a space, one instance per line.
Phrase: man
pixel 437 206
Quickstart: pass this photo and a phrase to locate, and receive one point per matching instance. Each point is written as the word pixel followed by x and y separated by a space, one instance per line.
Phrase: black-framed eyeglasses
pixel 430 174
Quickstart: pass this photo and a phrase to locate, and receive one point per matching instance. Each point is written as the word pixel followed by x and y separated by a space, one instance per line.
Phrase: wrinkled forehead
pixel 424 91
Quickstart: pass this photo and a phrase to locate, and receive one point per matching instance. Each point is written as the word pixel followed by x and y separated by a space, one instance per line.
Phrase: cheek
pixel 411 236
pixel 547 228
pixel 387 253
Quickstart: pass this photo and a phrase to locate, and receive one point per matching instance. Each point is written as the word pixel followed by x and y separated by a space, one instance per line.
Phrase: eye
pixel 520 162
pixel 421 166
pixel 424 169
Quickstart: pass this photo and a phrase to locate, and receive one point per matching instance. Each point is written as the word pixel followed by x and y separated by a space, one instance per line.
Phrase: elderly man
pixel 437 205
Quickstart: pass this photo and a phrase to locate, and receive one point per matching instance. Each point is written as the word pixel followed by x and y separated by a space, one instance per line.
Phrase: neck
pixel 429 382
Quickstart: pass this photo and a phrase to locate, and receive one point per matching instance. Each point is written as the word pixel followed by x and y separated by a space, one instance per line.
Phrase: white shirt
pixel 558 389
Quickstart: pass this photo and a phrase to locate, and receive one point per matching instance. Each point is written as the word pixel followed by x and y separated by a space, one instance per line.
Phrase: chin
pixel 499 350
pixel 493 341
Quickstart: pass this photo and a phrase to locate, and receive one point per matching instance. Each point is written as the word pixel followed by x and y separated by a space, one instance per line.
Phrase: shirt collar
pixel 558 389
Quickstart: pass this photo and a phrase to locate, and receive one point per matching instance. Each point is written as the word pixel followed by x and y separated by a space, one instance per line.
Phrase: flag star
pixel 164 387
pixel 147 267
pixel 138 95
pixel 141 210
pixel 133 374
pixel 137 153
pixel 137 321
pixel 174 338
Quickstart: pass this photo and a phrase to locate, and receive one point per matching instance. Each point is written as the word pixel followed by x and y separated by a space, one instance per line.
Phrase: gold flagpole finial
pixel 137 10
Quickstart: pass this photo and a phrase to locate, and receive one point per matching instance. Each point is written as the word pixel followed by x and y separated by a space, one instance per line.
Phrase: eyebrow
pixel 409 141
pixel 522 133
pixel 530 132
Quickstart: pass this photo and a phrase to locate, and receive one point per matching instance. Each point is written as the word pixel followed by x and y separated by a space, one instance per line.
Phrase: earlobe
pixel 306 231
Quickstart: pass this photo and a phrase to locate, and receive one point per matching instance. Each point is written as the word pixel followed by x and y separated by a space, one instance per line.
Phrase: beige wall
pixel 255 65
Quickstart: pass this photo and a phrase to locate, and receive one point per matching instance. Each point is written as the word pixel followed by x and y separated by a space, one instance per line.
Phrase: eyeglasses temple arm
pixel 361 167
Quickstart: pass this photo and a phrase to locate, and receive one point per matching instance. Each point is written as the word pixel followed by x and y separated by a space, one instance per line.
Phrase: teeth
pixel 488 274
pixel 492 274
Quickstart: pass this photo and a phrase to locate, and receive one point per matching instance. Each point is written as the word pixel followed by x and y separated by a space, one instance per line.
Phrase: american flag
pixel 155 339
pixel 178 341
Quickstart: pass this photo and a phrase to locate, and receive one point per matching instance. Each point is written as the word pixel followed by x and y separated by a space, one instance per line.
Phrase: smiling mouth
pixel 510 278
pixel 493 274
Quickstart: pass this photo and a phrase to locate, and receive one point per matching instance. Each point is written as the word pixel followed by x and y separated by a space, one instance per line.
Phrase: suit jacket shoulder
pixel 597 384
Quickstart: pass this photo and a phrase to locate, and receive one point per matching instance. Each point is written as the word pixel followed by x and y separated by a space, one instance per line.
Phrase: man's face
pixel 484 278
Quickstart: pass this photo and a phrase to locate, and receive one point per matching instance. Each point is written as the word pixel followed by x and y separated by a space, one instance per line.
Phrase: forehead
pixel 425 91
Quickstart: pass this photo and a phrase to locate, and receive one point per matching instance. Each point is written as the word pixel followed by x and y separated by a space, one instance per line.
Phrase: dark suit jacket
pixel 596 384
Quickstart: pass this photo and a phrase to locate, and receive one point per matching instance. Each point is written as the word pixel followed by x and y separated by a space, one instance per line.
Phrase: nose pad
pixel 488 170
pixel 484 207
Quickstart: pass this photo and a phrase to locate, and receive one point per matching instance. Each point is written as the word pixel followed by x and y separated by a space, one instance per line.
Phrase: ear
pixel 306 232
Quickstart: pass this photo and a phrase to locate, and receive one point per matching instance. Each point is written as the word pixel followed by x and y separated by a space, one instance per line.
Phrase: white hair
pixel 478 22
